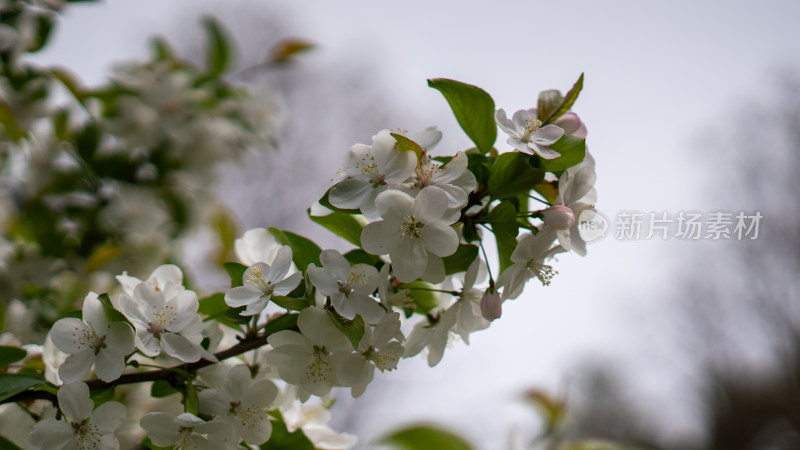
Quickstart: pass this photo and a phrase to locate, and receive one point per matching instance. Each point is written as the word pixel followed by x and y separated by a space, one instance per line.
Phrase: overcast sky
pixel 658 75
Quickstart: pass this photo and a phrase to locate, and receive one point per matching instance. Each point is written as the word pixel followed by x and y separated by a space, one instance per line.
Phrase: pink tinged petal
pixel 322 280
pixel 281 264
pixel 370 310
pixel 120 338
pixel 431 204
pixel 71 335
pixel 162 428
pixel 380 238
pixel 180 347
pixel 335 263
pixel 214 402
pixel 51 434
pixel 74 401
pixel 109 365
pixel 491 305
pixel 409 260
pixel 76 366
pixel 547 135
pixel 350 193
pixel 94 314
pixel 288 285
pixel 434 270
pixel 147 343
pixel 502 120
pixel 441 240
pixel 109 416
pixel 571 124
pixel 241 296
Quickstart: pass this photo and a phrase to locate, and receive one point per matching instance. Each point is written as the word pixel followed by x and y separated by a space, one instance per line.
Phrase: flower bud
pixel 491 305
pixel 558 217
pixel 571 124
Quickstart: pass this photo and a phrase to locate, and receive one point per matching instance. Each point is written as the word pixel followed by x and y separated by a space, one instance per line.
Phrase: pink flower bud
pixel 571 124
pixel 558 217
pixel 491 305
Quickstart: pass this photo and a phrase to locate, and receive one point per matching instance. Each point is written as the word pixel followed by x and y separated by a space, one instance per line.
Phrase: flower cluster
pixel 302 320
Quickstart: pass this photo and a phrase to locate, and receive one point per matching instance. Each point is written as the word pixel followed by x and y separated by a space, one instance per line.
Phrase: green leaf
pixel 341 224
pixel 146 443
pixel 284 51
pixel 43 28
pixel 424 299
pixel 218 52
pixel 236 272
pixel 9 121
pixel 281 439
pixel 111 314
pixel 161 49
pixel 407 145
pixel 69 82
pixel 293 304
pixel 304 251
pixel 215 308
pixel 5 444
pixel 473 108
pixel 461 259
pixel 358 256
pixel 512 174
pixel 2 316
pixel 425 437
pixel 12 384
pixel 102 394
pixel 567 102
pixel 503 219
pixel 191 402
pixel 573 151
pixel 161 389
pixel 283 322
pixel 10 355
pixel 353 329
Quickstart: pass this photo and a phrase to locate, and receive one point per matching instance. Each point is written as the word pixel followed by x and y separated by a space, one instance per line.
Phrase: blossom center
pixel 318 369
pixel 353 280
pixel 543 272
pixel 384 360
pixel 426 172
pixel 411 227
pixel 163 316
pixel 531 125
pixel 256 279
pixel 369 168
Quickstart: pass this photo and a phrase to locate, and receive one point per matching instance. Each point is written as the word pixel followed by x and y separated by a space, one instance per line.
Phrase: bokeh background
pixel 690 106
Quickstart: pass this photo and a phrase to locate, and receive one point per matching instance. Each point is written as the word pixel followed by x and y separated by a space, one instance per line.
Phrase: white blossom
pixel 349 288
pixel 92 341
pixel 83 429
pixel 262 281
pixel 256 245
pixel 309 359
pixel 527 134
pixel 380 349
pixel 416 233
pixel 165 316
pixel 452 177
pixel 313 420
pixel 370 170
pixel 188 432
pixel 576 192
pixel 468 307
pixel 433 335
pixel 243 402
pixel 528 259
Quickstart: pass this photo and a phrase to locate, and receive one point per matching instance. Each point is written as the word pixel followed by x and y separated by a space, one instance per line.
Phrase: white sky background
pixel 657 75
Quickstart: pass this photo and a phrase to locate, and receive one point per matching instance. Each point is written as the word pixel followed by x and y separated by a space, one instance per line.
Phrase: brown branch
pixel 153 375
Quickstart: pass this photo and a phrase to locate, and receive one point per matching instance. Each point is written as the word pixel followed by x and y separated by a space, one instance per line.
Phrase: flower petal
pixel 506 125
pixel 94 314
pixel 350 193
pixel 76 366
pixel 380 238
pixel 51 434
pixel 71 335
pixel 441 240
pixel 109 364
pixel 180 347
pixel 547 135
pixel 335 263
pixel 109 416
pixel 162 428
pixel 409 260
pixel 120 338
pixel 288 285
pixel 74 401
pixel 430 205
pixel 241 296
